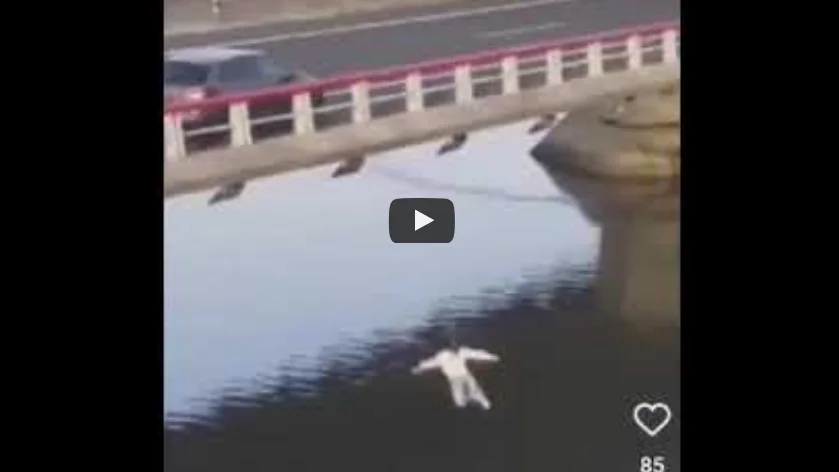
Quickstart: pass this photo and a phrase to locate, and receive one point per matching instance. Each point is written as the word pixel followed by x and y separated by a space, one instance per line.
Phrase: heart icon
pixel 651 425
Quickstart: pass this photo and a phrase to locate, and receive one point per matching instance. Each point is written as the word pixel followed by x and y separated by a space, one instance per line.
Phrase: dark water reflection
pixel 581 343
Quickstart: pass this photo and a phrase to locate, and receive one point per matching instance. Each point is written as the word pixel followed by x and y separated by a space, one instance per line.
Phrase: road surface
pixel 332 46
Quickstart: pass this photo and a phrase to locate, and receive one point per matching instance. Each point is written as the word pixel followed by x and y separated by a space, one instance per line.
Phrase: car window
pixel 241 69
pixel 273 70
pixel 184 74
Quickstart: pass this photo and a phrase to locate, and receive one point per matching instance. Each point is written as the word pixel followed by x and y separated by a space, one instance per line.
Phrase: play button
pixel 421 220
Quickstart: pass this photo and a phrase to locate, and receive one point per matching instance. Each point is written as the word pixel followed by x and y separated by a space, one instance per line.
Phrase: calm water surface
pixel 292 320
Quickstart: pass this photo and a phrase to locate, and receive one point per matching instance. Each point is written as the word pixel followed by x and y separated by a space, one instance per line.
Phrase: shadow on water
pixel 579 347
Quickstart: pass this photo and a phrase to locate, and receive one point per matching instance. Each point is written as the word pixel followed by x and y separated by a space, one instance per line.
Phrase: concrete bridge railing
pixel 475 82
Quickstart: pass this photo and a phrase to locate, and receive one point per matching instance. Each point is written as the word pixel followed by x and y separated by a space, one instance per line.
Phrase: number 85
pixel 652 464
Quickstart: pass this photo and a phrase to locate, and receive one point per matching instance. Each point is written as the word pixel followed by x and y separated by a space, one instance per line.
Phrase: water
pixel 292 321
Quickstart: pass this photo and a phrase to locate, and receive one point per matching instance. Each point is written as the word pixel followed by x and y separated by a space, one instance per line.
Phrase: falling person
pixel 452 363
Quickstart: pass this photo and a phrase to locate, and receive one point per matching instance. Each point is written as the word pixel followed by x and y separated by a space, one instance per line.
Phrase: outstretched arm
pixel 478 355
pixel 426 365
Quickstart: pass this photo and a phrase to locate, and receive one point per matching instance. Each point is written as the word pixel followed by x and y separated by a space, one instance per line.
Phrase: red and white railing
pixel 358 97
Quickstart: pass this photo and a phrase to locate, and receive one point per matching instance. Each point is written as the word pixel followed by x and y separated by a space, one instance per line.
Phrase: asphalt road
pixel 328 47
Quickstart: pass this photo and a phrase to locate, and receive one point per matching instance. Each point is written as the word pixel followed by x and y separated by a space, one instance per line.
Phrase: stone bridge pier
pixel 638 275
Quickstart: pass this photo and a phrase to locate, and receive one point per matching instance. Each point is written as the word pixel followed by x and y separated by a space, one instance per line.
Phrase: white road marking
pixel 518 31
pixel 452 15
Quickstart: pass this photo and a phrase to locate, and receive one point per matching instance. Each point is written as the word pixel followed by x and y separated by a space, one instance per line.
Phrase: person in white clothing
pixel 452 363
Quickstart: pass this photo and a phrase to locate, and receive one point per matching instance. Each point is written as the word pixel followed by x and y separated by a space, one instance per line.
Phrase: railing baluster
pixel 415 98
pixel 509 75
pixel 304 115
pixel 361 102
pixel 173 137
pixel 554 64
pixel 671 53
pixel 463 90
pixel 595 59
pixel 240 125
pixel 634 52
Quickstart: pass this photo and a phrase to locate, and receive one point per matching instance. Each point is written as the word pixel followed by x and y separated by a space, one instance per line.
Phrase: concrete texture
pixel 216 168
pixel 601 200
pixel 639 273
pixel 331 46
pixel 636 136
pixel 638 268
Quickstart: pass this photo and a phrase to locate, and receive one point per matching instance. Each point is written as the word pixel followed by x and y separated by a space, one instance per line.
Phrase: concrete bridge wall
pixel 287 153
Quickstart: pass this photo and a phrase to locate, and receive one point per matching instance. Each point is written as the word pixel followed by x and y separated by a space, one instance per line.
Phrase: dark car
pixel 199 73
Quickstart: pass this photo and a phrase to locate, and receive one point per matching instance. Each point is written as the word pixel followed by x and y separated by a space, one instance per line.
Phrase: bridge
pixel 365 112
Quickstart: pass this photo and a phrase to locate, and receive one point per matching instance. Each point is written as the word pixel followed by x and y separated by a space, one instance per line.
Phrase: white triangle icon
pixel 420 220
